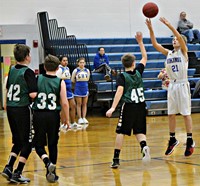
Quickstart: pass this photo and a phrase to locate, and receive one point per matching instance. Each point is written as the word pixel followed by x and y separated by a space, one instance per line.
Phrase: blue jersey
pixel 81 78
pixel 66 76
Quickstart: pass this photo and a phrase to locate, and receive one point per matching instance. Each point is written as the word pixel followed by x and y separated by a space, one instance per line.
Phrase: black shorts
pixel 46 126
pixel 20 124
pixel 132 117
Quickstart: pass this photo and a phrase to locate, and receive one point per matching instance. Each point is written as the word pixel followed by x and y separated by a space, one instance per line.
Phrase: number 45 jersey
pixel 48 97
pixel 176 65
pixel 133 89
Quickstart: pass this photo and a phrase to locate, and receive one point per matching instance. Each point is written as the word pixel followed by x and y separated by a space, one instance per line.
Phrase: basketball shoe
pixel 7 172
pixel 146 154
pixel 50 175
pixel 171 146
pixel 85 121
pixel 18 178
pixel 115 164
pixel 189 148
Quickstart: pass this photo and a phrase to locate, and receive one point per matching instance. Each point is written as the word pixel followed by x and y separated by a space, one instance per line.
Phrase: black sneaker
pixel 18 178
pixel 50 176
pixel 56 176
pixel 115 163
pixel 171 146
pixel 107 78
pixel 189 148
pixel 7 172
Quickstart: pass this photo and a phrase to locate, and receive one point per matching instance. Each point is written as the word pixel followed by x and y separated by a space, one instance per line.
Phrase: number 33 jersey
pixel 176 65
pixel 48 97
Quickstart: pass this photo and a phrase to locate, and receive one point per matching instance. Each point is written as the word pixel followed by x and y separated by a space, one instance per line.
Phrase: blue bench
pixel 148 74
pixel 160 107
pixel 149 65
pixel 148 84
pixel 131 48
pixel 117 41
pixel 149 95
pixel 117 56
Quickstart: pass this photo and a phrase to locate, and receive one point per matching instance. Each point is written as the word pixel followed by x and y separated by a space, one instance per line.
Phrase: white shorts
pixel 179 98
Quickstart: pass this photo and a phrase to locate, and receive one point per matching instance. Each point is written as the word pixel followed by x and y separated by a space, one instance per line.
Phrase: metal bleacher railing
pixel 56 41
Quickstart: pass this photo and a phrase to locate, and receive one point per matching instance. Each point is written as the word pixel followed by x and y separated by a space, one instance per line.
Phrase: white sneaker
pixel 146 154
pixel 80 121
pixel 64 128
pixel 76 125
pixel 85 121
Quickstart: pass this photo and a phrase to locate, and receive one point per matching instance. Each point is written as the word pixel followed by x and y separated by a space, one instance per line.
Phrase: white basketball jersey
pixel 176 65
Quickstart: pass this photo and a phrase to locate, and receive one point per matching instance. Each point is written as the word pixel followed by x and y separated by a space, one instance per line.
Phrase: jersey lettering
pixel 175 68
pixel 13 92
pixel 137 95
pixel 43 101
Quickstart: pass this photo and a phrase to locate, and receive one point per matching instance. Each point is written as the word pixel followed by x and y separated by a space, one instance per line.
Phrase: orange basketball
pixel 150 10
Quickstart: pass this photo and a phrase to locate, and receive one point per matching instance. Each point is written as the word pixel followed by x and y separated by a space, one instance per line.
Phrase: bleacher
pixel 56 41
pixel 156 98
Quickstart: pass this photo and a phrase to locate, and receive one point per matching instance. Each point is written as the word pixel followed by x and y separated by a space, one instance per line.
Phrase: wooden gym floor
pixel 85 156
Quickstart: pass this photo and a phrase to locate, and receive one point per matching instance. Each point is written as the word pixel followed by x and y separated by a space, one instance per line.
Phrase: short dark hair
pixel 128 60
pixel 21 52
pixel 51 62
pixel 61 58
pixel 100 48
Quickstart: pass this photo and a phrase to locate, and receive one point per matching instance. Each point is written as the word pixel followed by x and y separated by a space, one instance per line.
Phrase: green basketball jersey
pixel 18 93
pixel 48 97
pixel 133 89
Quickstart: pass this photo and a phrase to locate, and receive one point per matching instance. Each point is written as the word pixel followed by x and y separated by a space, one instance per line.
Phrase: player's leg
pixel 190 144
pixel 145 150
pixel 173 142
pixel 23 119
pixel 78 108
pixel 84 109
pixel 117 150
pixel 185 110
pixel 7 171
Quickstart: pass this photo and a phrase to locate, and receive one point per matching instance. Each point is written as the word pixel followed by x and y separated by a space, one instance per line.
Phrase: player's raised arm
pixel 139 39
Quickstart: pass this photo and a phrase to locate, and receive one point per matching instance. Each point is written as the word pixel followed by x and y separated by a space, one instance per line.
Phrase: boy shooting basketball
pixel 179 99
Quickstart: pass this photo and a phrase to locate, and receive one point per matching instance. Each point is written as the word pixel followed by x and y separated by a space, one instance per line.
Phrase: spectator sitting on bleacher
pixel 185 28
pixel 165 79
pixel 101 64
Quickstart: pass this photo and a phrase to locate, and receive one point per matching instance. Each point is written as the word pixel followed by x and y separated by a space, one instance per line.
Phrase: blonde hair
pixel 184 38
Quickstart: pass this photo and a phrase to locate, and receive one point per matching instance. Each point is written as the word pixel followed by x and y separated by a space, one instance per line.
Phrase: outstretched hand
pixel 165 21
pixel 148 23
pixel 139 37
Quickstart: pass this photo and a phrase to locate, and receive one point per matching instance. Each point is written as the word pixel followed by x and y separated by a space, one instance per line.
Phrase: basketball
pixel 150 10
